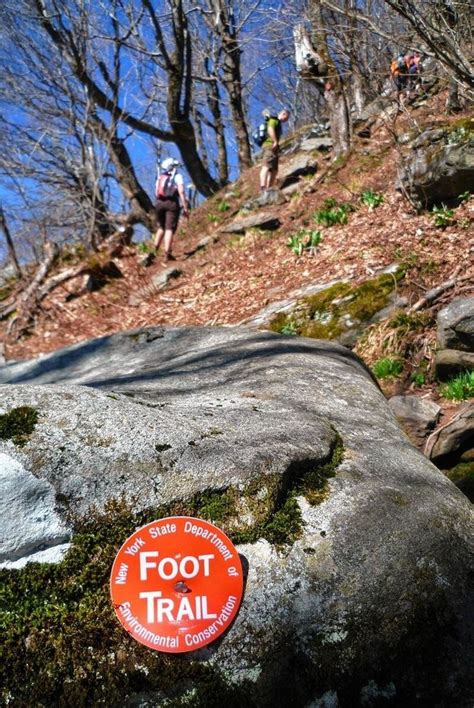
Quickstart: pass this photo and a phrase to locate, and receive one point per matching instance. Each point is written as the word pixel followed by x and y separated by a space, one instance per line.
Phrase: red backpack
pixel 165 186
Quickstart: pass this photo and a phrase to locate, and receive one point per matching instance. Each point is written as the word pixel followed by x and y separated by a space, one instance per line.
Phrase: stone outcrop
pixel 438 165
pixel 311 144
pixel 354 544
pixel 450 362
pixel 157 282
pixel 446 444
pixel 299 166
pixel 262 220
pixel 418 415
pixel 270 197
pixel 456 325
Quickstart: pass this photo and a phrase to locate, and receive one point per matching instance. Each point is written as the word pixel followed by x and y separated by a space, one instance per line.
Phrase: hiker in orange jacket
pixel 399 72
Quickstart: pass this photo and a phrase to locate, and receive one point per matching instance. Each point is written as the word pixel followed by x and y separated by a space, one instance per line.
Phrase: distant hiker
pixel 271 148
pixel 414 72
pixel 170 197
pixel 399 72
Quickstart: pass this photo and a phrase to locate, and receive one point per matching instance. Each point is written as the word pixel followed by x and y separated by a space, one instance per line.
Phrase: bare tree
pixel 220 16
pixel 73 31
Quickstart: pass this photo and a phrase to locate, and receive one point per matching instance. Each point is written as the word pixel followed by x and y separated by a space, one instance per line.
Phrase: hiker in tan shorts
pixel 271 150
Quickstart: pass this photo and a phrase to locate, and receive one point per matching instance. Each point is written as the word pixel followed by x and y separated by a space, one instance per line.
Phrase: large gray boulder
pixel 456 325
pixel 363 599
pixel 438 165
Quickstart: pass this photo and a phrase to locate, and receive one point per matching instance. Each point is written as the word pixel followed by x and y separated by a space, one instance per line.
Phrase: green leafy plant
pixel 290 328
pixel 213 218
pixel 464 197
pixel 332 213
pixel 387 368
pixel 460 387
pixel 223 206
pixel 371 199
pixel 304 240
pixel 418 379
pixel 145 247
pixel 442 216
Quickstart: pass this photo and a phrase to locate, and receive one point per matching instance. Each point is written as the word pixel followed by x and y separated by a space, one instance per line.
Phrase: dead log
pixel 26 303
pixel 435 293
pixel 61 278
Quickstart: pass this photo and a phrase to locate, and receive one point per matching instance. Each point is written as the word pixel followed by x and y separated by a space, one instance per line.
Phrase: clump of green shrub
pixel 332 213
pixel 387 368
pixel 460 387
pixel 304 240
pixel 145 247
pixel 442 216
pixel 371 199
pixel 418 378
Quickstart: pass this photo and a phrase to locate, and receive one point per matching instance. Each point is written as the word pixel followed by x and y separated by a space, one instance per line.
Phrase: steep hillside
pixel 234 276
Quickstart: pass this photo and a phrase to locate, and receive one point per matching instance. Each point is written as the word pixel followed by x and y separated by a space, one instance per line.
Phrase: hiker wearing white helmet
pixel 170 197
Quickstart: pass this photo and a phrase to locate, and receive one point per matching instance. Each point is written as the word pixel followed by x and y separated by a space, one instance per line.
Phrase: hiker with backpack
pixel 270 142
pixel 414 73
pixel 170 197
pixel 399 72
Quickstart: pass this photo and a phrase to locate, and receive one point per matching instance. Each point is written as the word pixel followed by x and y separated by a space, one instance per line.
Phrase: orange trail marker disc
pixel 176 584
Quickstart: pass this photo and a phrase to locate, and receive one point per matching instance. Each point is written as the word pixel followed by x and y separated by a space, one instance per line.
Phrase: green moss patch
pixel 463 477
pixel 18 424
pixel 62 642
pixel 4 293
pixel 337 309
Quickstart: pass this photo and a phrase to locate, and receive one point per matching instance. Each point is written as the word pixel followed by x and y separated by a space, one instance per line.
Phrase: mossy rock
pixel 463 477
pixel 332 312
pixel 57 619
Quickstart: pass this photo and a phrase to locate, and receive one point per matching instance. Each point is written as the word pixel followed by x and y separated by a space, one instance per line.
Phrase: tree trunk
pixel 339 120
pixel 10 246
pixel 324 73
pixel 357 91
pixel 140 202
pixel 179 96
pixel 232 77
pixel 213 101
pixel 185 140
pixel 453 104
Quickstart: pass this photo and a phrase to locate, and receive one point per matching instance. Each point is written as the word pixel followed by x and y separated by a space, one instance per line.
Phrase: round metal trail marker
pixel 176 584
